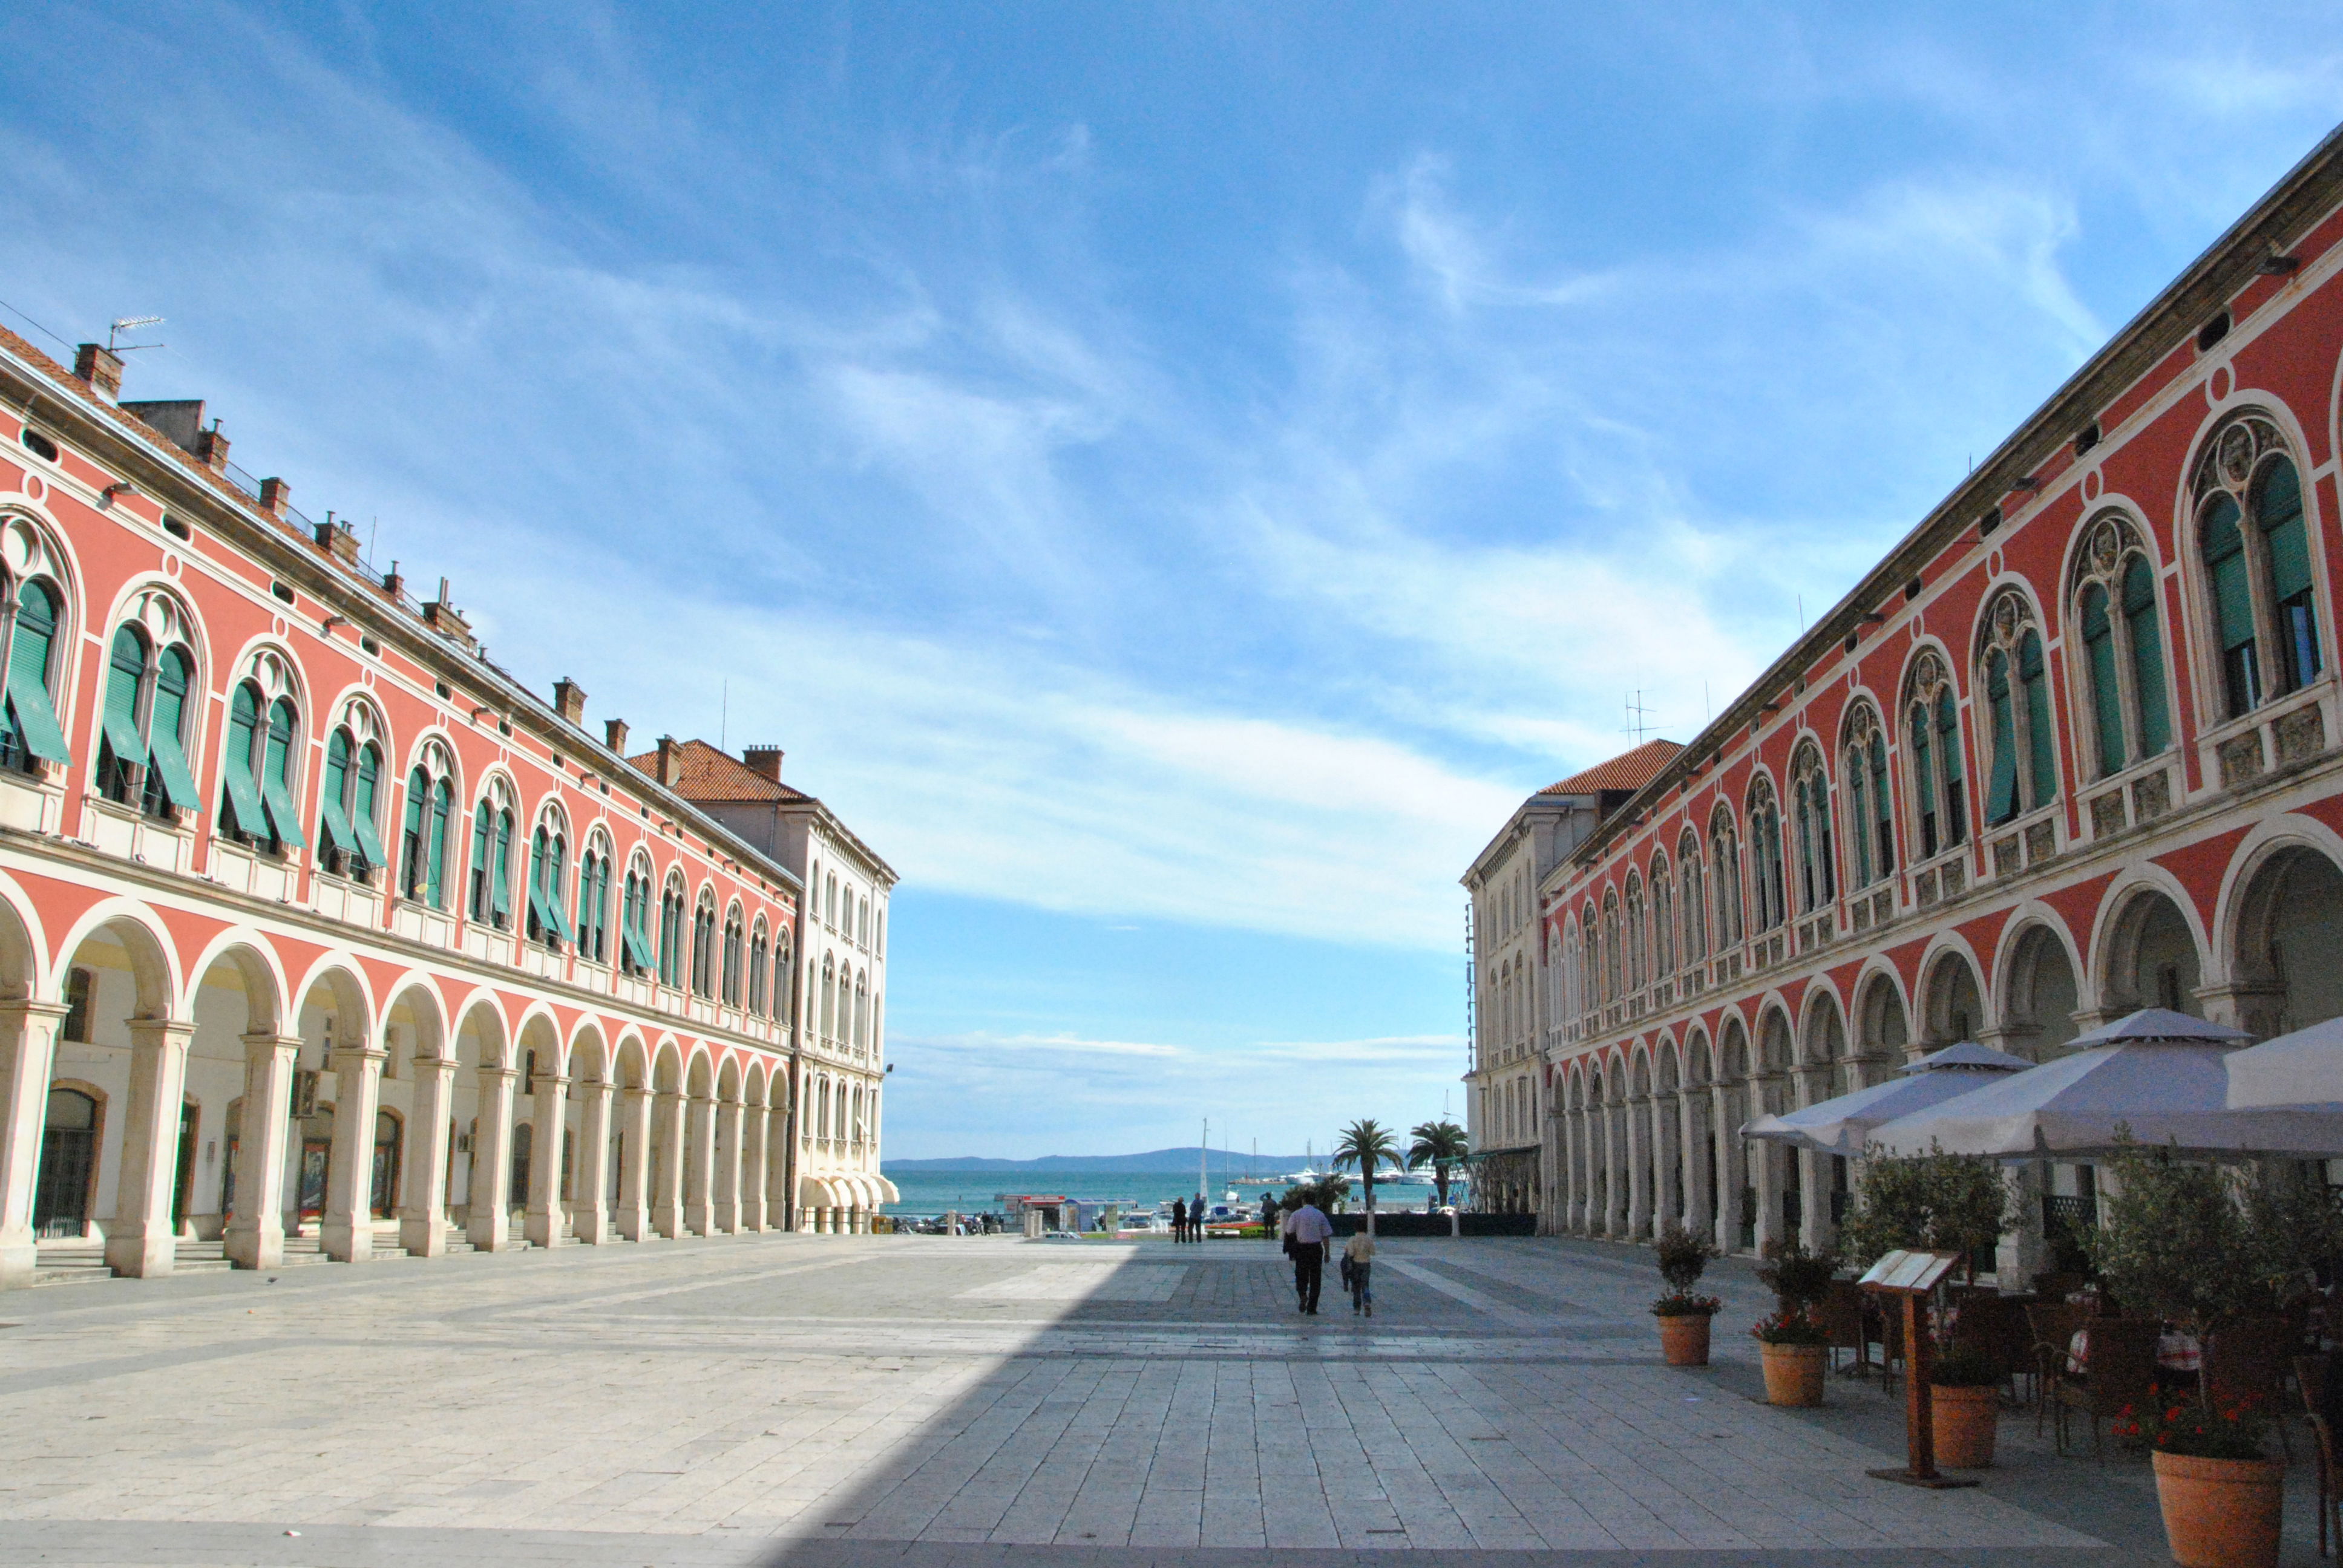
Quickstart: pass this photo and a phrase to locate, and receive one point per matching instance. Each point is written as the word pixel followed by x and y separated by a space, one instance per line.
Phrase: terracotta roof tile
pixel 712 774
pixel 1629 770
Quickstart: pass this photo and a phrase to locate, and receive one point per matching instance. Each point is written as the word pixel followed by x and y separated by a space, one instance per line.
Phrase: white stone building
pixel 841 994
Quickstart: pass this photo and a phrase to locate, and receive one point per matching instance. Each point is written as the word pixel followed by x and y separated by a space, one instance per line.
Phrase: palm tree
pixel 1368 1145
pixel 1441 1145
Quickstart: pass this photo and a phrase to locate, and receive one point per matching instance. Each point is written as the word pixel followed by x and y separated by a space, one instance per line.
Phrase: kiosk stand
pixel 1912 1276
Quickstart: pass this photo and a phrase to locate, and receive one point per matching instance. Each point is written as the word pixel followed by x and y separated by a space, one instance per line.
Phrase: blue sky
pixel 1173 476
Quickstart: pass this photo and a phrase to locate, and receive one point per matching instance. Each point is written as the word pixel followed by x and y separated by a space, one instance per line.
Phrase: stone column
pixel 1692 1151
pixel 140 1240
pixel 634 1216
pixel 1729 1154
pixel 347 1232
pixel 700 1177
pixel 1666 1120
pixel 1769 1192
pixel 667 1203
pixel 754 1134
pixel 490 1230
pixel 542 1224
pixel 2022 1253
pixel 256 1227
pixel 423 1166
pixel 728 1168
pixel 590 1211
pixel 1639 1167
pixel 1614 1173
pixel 1567 1199
pixel 28 1032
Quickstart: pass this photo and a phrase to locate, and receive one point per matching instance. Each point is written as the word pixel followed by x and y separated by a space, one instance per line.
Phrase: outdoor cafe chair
pixel 2246 1358
pixel 2051 1325
pixel 2119 1371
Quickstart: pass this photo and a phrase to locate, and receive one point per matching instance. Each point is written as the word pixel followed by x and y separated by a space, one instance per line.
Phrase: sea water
pixel 976 1192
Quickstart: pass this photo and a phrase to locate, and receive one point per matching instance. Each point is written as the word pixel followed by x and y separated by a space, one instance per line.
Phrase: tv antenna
pixel 122 324
pixel 1639 718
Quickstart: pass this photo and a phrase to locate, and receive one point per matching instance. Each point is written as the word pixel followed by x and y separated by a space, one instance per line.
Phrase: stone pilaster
pixel 491 1229
pixel 141 1239
pixel 589 1203
pixel 542 1223
pixel 423 1166
pixel 633 1219
pixel 28 1032
pixel 256 1225
pixel 700 1175
pixel 667 1203
pixel 728 1168
pixel 347 1230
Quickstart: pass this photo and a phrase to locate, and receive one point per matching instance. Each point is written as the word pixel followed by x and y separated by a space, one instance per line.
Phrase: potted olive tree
pixel 1792 1341
pixel 1939 1203
pixel 2173 1242
pixel 1683 1313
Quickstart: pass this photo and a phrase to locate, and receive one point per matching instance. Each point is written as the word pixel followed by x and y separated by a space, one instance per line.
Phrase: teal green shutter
pixel 2140 617
pixel 538 911
pixel 2001 790
pixel 443 811
pixel 1859 813
pixel 2280 514
pixel 36 717
pixel 1948 742
pixel 500 894
pixel 362 806
pixel 333 822
pixel 126 671
pixel 174 675
pixel 2106 697
pixel 481 870
pixel 276 775
pixel 2041 741
pixel 2224 557
pixel 555 860
pixel 1922 770
pixel 235 763
pixel 414 831
pixel 1882 805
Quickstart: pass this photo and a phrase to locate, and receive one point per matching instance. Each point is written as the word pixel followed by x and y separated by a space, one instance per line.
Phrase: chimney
pixel 613 735
pixel 670 767
pixel 180 421
pixel 392 583
pixel 443 618
pixel 276 495
pixel 569 701
pixel 341 541
pixel 212 447
pixel 102 369
pixel 764 762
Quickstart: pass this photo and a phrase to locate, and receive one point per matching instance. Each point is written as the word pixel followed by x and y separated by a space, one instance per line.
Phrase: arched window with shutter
pixel 31 735
pixel 2254 540
pixel 122 754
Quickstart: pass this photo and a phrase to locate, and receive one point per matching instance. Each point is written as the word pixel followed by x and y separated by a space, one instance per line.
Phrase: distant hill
pixel 1164 1162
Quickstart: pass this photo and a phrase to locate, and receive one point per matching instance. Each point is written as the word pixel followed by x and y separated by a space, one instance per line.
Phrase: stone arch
pixel 539 1033
pixel 1699 1067
pixel 25 971
pixel 632 1060
pixel 416 1007
pixel 1953 1003
pixel 1883 1030
pixel 667 1066
pixel 2037 988
pixel 126 935
pixel 2152 953
pixel 2283 927
pixel 589 1054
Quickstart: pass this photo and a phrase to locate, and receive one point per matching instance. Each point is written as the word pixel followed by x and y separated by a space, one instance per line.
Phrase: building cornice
pixel 2309 192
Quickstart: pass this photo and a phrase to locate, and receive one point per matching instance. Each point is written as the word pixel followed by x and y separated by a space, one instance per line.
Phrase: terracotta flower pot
pixel 1683 1339
pixel 1794 1373
pixel 1963 1419
pixel 2220 1512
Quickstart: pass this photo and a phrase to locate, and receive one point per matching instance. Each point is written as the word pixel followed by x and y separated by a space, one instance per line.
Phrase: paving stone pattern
pixel 936 1401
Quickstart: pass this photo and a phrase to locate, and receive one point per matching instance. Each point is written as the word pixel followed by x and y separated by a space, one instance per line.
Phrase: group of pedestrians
pixel 1188 1220
pixel 1307 1234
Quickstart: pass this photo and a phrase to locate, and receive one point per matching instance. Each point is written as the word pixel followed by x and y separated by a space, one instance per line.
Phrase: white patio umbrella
pixel 2301 1069
pixel 2160 1074
pixel 1842 1125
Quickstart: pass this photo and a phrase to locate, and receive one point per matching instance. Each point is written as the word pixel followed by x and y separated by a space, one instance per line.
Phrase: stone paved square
pixel 932 1401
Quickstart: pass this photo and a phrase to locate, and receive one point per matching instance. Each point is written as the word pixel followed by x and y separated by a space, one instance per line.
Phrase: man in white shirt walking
pixel 1307 1231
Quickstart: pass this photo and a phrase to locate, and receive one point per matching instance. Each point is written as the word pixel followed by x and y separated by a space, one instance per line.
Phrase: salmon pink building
pixel 319 932
pixel 2070 749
